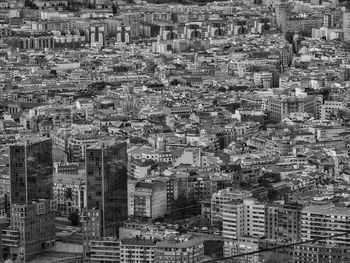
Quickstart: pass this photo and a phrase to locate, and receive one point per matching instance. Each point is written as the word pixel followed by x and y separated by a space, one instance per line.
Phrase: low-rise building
pixel 104 250
pixel 137 250
pixel 147 200
pixel 186 249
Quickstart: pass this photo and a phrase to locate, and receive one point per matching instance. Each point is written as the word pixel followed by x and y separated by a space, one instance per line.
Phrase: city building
pixel 104 250
pixel 283 13
pixel 137 249
pixel 283 221
pixel 106 170
pixel 186 249
pixel 321 220
pixel 97 36
pixel 31 170
pixel 69 191
pixel 32 229
pixel 281 107
pixel 242 218
pixel 346 26
pixel 147 199
pixel 221 198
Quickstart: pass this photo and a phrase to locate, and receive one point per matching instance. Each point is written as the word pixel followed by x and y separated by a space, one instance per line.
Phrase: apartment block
pixel 32 229
pixel 185 250
pixel 242 219
pixel 147 199
pixel 137 250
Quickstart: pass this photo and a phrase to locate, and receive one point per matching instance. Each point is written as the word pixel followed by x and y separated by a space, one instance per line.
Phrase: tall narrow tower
pixel 283 12
pixel 106 168
pixel 346 26
pixel 31 171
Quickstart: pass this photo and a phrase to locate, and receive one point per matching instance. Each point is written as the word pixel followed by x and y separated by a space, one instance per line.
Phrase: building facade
pixel 32 229
pixel 31 171
pixel 106 169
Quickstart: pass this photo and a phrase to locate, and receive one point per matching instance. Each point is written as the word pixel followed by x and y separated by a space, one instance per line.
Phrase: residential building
pixel 321 220
pixel 147 200
pixel 283 221
pixel 223 197
pixel 283 13
pixel 242 218
pixel 69 190
pixel 186 249
pixel 281 107
pixel 137 250
pixel 97 36
pixel 346 26
pixel 264 79
pixel 105 250
pixel 32 229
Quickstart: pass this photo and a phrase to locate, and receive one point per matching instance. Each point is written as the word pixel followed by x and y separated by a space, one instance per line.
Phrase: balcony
pixel 10 238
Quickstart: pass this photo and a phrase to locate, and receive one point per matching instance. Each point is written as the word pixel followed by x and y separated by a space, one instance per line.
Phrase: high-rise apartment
pixel 97 36
pixel 346 26
pixel 242 218
pixel 147 200
pixel 106 169
pixel 31 170
pixel 328 224
pixel 223 197
pixel 283 221
pixel 283 12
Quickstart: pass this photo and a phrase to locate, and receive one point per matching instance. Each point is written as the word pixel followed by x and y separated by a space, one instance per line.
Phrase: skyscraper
pixel 283 12
pixel 31 170
pixel 106 168
pixel 346 26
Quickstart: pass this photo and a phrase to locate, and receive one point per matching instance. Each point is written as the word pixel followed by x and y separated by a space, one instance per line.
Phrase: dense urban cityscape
pixel 174 131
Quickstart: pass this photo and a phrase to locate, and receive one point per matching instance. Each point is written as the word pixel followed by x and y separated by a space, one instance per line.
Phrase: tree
pixel 30 4
pixel 74 218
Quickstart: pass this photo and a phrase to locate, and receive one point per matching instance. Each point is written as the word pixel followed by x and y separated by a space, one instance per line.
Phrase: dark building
pixel 31 171
pixel 4 250
pixel 106 168
pixel 283 222
pixel 32 229
pixel 37 42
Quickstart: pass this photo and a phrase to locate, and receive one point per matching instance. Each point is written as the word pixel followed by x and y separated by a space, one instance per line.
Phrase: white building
pixel 263 78
pixel 223 197
pixel 242 219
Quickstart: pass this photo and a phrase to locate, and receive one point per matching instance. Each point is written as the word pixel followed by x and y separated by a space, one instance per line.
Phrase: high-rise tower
pixel 346 26
pixel 31 170
pixel 106 168
pixel 283 12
